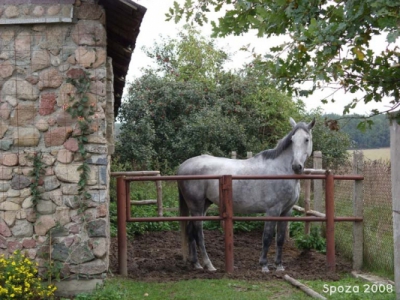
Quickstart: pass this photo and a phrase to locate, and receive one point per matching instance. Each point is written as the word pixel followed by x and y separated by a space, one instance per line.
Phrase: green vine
pixel 82 110
pixel 37 173
pixel 53 269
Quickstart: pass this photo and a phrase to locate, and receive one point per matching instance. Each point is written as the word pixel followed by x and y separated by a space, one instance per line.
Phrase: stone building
pixel 62 67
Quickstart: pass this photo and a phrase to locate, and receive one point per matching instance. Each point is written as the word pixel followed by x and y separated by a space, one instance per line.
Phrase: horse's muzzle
pixel 297 168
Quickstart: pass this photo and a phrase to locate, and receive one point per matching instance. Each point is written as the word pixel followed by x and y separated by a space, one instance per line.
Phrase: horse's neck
pixel 279 165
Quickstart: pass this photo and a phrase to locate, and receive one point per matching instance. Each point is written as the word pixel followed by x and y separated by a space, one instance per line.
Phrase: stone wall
pixel 41 46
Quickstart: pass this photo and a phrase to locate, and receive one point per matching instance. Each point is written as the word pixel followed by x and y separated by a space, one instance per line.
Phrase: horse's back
pixel 199 190
pixel 208 165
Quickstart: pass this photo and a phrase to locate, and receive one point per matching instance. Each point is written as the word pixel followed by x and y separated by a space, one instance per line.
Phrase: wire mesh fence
pixel 378 228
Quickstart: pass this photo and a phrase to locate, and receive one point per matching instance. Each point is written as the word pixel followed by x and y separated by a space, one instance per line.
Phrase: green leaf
pixel 358 52
pixel 392 36
pixel 218 7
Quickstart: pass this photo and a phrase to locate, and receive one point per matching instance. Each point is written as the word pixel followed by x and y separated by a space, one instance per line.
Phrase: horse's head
pixel 301 144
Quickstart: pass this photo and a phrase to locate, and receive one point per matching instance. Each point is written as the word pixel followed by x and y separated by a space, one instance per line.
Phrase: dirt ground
pixel 156 257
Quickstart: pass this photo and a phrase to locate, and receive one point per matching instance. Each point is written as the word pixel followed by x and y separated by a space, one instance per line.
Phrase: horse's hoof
pixel 280 268
pixel 211 269
pixel 265 269
pixel 197 266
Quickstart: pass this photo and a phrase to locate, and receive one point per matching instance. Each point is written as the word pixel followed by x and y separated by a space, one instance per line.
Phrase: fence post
pixel 307 192
pixel 358 211
pixel 317 164
pixel 121 219
pixel 395 173
pixel 330 221
pixel 228 221
pixel 159 197
pixel 233 154
pixel 249 154
pixel 318 204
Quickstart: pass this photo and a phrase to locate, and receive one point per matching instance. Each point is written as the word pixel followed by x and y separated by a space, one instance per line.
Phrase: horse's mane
pixel 283 144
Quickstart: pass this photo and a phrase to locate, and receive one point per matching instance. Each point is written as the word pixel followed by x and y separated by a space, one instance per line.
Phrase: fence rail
pixel 226 210
pixel 157 201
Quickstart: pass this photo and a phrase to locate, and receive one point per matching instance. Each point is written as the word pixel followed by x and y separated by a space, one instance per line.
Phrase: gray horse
pixel 273 197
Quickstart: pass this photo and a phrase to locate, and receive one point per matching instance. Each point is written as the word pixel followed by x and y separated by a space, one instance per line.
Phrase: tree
pixel 165 122
pixel 376 136
pixel 189 57
pixel 168 119
pixel 332 143
pixel 330 42
pixel 172 114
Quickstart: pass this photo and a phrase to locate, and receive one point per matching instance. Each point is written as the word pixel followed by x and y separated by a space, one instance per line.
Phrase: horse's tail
pixel 184 211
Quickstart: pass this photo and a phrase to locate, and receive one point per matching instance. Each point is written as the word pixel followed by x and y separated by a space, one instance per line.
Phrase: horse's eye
pixel 307 140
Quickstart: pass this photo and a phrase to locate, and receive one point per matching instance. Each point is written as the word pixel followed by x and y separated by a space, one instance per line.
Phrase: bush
pixel 311 241
pixel 19 279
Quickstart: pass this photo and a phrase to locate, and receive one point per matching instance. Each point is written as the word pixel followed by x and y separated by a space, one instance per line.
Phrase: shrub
pixel 311 241
pixel 19 279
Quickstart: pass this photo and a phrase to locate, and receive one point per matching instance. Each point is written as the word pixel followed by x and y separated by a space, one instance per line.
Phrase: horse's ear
pixel 311 124
pixel 292 122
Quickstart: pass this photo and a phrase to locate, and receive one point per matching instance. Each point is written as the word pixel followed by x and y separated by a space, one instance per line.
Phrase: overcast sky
pixel 154 25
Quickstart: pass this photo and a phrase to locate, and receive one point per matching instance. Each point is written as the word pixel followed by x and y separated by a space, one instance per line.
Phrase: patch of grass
pixel 375 154
pixel 125 289
pixel 347 287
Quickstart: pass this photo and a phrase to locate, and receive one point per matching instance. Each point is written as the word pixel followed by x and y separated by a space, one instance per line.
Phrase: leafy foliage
pixel 362 135
pixel 306 242
pixel 166 120
pixel 19 279
pixel 37 172
pixel 83 110
pixel 311 241
pixel 332 143
pixel 189 57
pixel 330 42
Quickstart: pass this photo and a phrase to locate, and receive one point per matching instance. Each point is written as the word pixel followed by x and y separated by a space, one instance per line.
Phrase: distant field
pixel 375 154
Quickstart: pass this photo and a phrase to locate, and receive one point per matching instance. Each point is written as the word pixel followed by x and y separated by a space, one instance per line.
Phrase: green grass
pixel 124 289
pixel 375 154
pixel 346 288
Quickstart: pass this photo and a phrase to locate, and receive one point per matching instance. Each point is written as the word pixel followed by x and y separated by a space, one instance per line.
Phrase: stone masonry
pixel 41 46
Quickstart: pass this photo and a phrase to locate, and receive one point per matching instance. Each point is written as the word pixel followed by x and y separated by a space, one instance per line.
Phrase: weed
pixel 311 241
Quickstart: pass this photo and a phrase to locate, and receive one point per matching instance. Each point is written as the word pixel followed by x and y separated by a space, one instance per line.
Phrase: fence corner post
pixel 121 219
pixel 330 221
pixel 395 178
pixel 228 221
pixel 358 211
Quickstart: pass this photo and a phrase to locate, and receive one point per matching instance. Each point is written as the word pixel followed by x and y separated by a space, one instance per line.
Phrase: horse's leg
pixel 268 235
pixel 195 234
pixel 192 238
pixel 198 225
pixel 280 239
pixel 198 228
pixel 200 242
